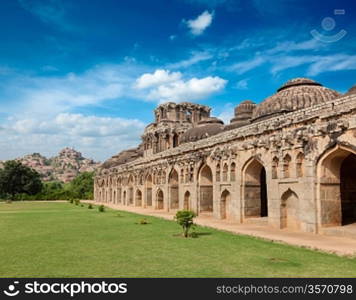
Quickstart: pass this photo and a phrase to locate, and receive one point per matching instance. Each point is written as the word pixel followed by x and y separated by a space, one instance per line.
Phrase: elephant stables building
pixel 288 162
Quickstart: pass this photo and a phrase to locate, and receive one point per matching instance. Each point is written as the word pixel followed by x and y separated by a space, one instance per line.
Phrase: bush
pixel 76 201
pixel 185 219
pixel 90 206
pixel 71 200
pixel 101 208
pixel 144 221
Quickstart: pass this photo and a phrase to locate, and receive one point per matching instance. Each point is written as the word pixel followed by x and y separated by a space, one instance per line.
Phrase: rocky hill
pixel 63 167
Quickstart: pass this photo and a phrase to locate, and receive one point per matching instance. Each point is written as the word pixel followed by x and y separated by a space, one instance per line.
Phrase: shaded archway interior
pixel 256 200
pixel 206 189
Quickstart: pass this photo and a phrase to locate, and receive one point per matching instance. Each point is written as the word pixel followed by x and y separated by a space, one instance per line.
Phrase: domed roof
pixel 243 115
pixel 206 127
pixel 122 158
pixel 351 91
pixel 245 106
pixel 295 94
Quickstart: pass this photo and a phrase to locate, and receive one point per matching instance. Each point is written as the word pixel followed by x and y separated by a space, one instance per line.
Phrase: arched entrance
pixel 160 199
pixel 290 216
pixel 205 189
pixel 186 200
pixel 131 191
pixel 149 190
pixel 225 205
pixel 138 198
pixel 255 190
pixel 124 198
pixel 174 189
pixel 338 187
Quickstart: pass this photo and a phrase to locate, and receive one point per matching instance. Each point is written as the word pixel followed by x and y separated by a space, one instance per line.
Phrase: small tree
pixel 185 219
pixel 16 178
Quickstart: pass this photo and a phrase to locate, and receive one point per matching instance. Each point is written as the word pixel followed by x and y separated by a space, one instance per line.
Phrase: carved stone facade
pixel 289 163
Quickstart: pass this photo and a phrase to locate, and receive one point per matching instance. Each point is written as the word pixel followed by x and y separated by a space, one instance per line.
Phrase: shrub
pixel 71 200
pixel 90 206
pixel 185 219
pixel 101 208
pixel 143 221
pixel 76 201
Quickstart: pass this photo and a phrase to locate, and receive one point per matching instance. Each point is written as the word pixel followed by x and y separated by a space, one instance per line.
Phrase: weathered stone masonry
pixel 289 162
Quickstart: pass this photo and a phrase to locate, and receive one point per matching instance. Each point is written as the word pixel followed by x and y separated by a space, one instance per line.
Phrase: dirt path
pixel 331 244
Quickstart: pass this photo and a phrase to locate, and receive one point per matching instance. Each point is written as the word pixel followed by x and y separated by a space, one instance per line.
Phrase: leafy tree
pixel 185 219
pixel 82 186
pixel 16 178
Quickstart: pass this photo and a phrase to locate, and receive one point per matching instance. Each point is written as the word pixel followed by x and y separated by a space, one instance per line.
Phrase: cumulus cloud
pixel 162 85
pixel 97 137
pixel 158 77
pixel 197 26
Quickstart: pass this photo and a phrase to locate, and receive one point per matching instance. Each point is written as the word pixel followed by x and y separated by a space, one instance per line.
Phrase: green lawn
pixel 64 240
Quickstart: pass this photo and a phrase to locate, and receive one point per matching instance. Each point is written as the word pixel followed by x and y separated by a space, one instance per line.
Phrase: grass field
pixel 64 240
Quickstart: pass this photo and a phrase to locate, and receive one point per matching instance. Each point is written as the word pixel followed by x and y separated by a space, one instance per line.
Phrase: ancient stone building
pixel 288 162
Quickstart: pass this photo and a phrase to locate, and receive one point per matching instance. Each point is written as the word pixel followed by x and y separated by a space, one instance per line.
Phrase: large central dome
pixel 295 94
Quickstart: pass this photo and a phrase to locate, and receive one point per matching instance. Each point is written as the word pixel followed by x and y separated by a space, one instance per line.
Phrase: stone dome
pixel 243 115
pixel 295 94
pixel 122 158
pixel 205 128
pixel 351 91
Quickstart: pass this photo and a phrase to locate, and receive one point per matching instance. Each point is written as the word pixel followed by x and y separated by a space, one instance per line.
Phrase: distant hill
pixel 63 167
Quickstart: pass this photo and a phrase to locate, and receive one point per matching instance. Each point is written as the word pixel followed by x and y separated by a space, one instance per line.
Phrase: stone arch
pixel 160 199
pixel 286 166
pixel 232 171
pixel 131 181
pixel 206 190
pixel 255 189
pixel 218 172
pixel 175 140
pixel 290 211
pixel 148 187
pixel 337 188
pixel 225 205
pixel 173 183
pixel 186 204
pixel 124 196
pixel 114 197
pixel 225 172
pixel 138 197
pixel 299 164
pixel 275 162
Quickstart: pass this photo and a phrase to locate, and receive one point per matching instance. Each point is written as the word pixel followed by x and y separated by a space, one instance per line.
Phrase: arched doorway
pixel 290 215
pixel 131 191
pixel 186 200
pixel 205 189
pixel 225 205
pixel 149 190
pixel 160 199
pixel 174 189
pixel 114 198
pixel 255 190
pixel 124 198
pixel 337 187
pixel 138 198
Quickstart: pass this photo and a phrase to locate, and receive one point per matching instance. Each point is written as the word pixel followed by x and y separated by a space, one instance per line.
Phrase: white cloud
pixel 242 84
pixel 289 46
pixel 193 89
pixel 195 58
pixel 197 26
pixel 244 66
pixel 336 62
pixel 55 94
pixel 97 137
pixel 158 77
pixel 227 113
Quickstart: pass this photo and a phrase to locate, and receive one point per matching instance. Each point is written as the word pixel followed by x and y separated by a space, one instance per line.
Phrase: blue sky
pixel 88 74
